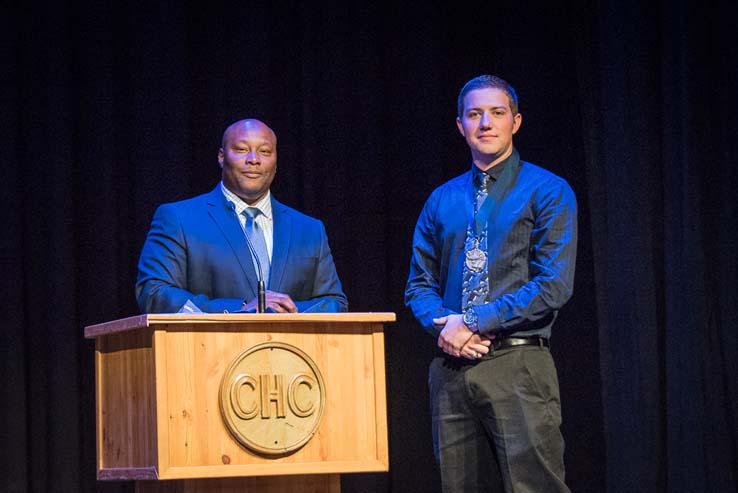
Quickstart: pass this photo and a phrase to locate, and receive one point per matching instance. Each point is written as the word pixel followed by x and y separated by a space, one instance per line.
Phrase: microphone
pixel 261 285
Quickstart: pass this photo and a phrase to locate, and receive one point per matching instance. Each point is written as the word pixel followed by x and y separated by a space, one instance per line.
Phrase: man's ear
pixel 221 156
pixel 517 121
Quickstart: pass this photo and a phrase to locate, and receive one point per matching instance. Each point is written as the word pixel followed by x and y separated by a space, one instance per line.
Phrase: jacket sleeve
pixel 161 286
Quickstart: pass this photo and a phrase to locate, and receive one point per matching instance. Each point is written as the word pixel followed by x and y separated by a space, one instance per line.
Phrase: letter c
pixel 240 381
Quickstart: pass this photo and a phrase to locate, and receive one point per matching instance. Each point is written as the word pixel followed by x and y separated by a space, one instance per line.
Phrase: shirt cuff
pixel 488 319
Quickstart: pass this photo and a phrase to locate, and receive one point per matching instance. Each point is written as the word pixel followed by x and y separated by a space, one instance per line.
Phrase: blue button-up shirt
pixel 532 236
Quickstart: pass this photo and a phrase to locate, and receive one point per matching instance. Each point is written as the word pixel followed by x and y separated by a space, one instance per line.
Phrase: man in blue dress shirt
pixel 197 251
pixel 493 261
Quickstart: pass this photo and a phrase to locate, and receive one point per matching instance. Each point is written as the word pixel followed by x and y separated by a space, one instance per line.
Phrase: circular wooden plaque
pixel 272 398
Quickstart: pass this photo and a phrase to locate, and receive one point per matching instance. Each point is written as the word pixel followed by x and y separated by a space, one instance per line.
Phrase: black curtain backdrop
pixel 112 108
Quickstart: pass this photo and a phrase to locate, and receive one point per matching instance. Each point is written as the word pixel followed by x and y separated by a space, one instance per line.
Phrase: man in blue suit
pixel 197 250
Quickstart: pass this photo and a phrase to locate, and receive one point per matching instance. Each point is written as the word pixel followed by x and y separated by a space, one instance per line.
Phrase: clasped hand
pixel 457 340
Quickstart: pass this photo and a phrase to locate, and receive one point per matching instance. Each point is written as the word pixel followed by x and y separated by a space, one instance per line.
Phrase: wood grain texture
pixel 346 358
pixel 158 394
pixel 126 431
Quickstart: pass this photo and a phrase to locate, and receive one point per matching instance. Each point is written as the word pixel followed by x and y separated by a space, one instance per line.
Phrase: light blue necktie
pixel 256 235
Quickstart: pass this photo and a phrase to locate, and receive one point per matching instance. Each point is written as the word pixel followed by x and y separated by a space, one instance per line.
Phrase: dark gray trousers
pixel 496 422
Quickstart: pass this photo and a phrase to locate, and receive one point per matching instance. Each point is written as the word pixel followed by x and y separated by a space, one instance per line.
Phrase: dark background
pixel 112 108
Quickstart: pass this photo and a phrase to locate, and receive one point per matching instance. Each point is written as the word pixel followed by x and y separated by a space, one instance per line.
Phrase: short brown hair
pixel 485 81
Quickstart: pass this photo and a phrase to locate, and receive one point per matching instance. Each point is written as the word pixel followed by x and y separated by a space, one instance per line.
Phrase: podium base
pixel 309 483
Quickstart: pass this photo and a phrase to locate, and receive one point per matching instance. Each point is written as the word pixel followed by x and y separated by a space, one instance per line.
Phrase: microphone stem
pixel 261 297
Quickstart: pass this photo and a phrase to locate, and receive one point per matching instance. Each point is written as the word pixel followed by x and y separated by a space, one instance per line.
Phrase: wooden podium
pixel 166 400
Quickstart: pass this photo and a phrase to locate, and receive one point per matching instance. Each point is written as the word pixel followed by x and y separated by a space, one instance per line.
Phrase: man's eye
pixel 499 113
pixel 265 152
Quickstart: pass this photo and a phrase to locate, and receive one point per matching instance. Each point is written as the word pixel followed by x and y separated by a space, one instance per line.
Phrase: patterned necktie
pixel 256 235
pixel 475 287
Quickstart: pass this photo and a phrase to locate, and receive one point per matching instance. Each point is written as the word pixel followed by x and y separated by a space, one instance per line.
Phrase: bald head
pixel 248 158
pixel 248 124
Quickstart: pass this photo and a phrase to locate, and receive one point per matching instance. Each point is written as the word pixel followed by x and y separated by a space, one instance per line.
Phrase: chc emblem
pixel 272 398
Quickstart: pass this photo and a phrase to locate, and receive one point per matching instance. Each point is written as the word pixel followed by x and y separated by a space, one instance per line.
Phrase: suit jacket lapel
pixel 227 222
pixel 281 243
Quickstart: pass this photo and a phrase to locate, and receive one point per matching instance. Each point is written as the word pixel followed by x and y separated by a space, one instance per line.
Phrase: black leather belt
pixel 509 342
pixel 500 344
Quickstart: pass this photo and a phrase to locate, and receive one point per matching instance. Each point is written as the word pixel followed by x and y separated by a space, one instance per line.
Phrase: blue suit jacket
pixel 196 250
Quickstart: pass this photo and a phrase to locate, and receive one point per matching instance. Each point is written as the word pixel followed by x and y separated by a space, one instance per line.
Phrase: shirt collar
pixel 495 171
pixel 264 204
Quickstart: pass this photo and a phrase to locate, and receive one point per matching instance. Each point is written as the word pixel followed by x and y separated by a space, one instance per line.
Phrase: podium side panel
pixel 126 402
pixel 380 401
